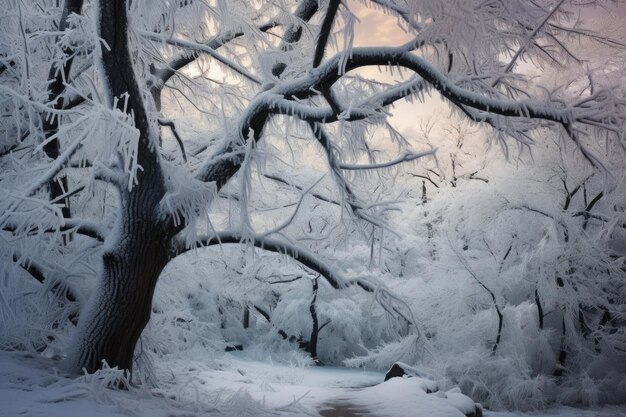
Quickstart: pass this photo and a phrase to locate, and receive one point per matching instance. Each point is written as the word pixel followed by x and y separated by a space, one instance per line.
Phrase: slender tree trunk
pixel 57 77
pixel 246 317
pixel 315 327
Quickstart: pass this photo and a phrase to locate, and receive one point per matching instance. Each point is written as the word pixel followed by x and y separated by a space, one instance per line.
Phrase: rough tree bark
pixel 139 250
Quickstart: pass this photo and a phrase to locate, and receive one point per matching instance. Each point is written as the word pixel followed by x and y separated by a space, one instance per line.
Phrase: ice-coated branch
pixel 409 156
pixel 306 258
pixel 58 164
pixel 295 212
pixel 32 267
pixel 198 47
pixel 301 255
pixel 426 177
pixel 590 206
pixel 268 318
pixel 297 187
pixel 38 272
pixel 371 107
pixel 164 74
pixel 614 43
pixel 85 228
pixel 326 75
pixel 56 87
pixel 543 213
pixel 356 206
pixel 573 134
pixel 67 195
pixel 82 227
pixel 325 141
pixel 305 11
pixel 570 194
pixel 277 100
pixel 531 38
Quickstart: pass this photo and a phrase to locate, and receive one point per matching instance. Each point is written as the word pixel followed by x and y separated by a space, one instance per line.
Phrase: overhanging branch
pixel 300 255
pixel 309 260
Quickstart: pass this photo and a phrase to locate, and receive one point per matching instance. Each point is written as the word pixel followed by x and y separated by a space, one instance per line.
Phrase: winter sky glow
pixel 375 28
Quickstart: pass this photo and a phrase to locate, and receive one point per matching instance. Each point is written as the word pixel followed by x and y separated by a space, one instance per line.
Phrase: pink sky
pixel 376 28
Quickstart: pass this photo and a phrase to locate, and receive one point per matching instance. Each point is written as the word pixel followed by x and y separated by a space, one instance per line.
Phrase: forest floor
pixel 230 385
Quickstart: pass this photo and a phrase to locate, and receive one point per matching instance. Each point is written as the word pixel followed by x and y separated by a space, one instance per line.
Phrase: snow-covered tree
pixel 133 132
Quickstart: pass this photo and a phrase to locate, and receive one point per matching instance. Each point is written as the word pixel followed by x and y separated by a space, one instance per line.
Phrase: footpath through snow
pixel 231 385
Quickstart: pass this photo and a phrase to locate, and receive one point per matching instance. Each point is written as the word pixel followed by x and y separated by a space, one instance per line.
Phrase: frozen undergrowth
pixel 33 386
pixel 228 385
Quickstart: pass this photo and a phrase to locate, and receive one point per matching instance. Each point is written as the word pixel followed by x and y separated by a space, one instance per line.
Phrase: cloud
pixel 376 28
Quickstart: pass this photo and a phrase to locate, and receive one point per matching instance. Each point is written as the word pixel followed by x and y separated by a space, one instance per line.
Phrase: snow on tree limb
pixel 404 158
pixel 336 280
pixel 202 48
pixel 82 227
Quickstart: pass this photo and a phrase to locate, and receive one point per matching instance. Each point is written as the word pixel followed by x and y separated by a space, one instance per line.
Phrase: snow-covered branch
pixel 301 255
pixel 83 227
pixel 308 259
pixel 325 30
pixel 194 46
pixel 404 158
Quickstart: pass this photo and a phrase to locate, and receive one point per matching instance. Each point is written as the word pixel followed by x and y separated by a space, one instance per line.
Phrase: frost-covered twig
pixel 164 74
pixel 491 294
pixel 39 273
pixel 298 187
pixel 182 43
pixel 295 211
pixel 409 156
pixel 60 162
pixel 531 38
pixel 83 227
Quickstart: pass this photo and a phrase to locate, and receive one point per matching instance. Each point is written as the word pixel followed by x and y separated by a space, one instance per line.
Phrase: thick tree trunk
pixel 120 308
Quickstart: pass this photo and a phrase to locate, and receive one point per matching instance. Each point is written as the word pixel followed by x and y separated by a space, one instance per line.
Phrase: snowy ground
pixel 232 385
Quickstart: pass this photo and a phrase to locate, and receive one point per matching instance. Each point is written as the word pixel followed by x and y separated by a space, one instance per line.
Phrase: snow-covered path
pixel 233 385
